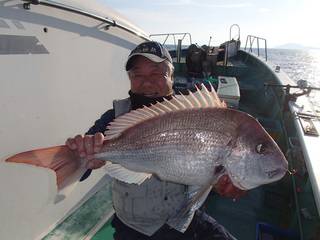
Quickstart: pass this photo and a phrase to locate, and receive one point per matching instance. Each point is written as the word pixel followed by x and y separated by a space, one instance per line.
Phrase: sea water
pixel 300 64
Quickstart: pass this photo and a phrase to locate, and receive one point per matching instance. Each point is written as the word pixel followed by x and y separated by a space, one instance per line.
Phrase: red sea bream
pixel 192 140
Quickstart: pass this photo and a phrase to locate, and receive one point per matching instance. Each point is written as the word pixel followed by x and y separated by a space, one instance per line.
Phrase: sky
pixel 278 21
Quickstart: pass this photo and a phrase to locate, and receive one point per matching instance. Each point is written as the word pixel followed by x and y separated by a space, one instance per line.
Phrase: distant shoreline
pixel 293 49
pixel 296 46
pixel 305 48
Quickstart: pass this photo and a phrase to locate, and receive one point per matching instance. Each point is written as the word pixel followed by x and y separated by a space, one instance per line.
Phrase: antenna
pixel 209 41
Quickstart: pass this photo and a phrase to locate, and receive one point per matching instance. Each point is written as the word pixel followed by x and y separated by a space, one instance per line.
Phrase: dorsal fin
pixel 200 99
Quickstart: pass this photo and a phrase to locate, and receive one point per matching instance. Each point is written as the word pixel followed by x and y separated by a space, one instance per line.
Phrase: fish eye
pixel 260 148
pixel 219 169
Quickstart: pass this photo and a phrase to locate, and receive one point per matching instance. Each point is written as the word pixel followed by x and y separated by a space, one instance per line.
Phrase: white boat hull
pixel 59 72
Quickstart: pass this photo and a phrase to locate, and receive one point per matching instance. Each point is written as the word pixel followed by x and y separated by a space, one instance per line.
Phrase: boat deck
pixel 270 211
pixel 267 204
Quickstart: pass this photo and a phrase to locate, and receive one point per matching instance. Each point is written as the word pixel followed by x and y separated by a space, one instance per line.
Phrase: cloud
pixel 264 10
pixel 155 21
pixel 203 4
pixel 231 5
pixel 175 3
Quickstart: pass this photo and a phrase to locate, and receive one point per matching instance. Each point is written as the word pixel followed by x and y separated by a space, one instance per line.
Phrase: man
pixel 146 211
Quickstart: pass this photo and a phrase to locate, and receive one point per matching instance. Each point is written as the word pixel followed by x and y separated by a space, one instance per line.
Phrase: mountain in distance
pixel 294 46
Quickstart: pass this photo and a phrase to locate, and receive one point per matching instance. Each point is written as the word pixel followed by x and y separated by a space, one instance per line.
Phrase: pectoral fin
pixel 125 175
pixel 196 197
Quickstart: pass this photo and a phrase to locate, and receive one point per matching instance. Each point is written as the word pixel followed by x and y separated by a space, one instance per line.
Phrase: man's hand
pixel 225 188
pixel 86 146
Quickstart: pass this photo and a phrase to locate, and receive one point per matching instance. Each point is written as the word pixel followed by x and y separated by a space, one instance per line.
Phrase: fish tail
pixel 68 168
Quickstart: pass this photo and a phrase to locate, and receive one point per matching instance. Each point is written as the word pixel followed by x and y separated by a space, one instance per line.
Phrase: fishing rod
pixel 301 84
pixel 291 86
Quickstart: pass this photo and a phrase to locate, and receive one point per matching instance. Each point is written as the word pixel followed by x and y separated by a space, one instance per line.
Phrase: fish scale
pixel 187 145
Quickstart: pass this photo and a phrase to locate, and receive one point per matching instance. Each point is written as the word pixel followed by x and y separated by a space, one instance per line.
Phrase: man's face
pixel 149 78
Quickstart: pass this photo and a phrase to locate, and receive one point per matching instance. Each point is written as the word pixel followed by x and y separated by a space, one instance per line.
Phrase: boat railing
pixel 173 35
pixel 177 46
pixel 250 42
pixel 238 35
pixel 109 22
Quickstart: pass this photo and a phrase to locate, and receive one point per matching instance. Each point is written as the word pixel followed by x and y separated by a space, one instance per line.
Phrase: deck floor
pixel 268 204
pixel 265 204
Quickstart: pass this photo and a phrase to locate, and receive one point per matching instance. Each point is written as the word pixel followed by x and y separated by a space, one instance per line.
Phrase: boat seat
pixel 194 59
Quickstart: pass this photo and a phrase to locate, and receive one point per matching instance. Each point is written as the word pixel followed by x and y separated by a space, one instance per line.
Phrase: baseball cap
pixel 154 51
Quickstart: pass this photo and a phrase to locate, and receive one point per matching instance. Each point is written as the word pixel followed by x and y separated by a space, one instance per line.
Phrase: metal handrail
pixel 252 39
pixel 234 25
pixel 110 22
pixel 167 35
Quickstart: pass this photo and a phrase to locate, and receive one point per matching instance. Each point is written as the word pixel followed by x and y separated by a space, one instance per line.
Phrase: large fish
pixel 192 140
